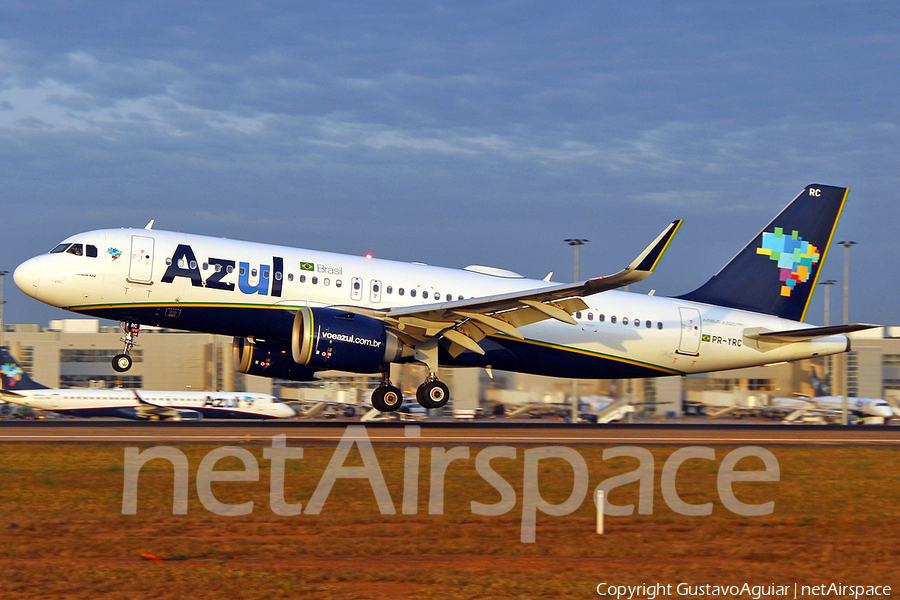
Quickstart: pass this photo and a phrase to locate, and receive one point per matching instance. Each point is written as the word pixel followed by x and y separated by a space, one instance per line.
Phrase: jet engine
pixel 268 359
pixel 326 338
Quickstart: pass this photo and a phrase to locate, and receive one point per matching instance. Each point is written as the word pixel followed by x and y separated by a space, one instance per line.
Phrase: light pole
pixel 2 302
pixel 827 321
pixel 576 243
pixel 845 388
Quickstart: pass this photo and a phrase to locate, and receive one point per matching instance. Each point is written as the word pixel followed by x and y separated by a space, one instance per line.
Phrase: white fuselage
pixel 235 284
pixel 89 402
pixel 867 407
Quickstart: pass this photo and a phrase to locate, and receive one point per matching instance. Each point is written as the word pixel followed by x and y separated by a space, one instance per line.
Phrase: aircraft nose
pixel 28 276
pixel 884 411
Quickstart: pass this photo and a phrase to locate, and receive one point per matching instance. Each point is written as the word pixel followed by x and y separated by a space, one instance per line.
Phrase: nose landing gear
pixel 122 362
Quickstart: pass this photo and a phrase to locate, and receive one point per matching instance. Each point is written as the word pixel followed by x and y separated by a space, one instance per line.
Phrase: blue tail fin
pixel 13 376
pixel 777 271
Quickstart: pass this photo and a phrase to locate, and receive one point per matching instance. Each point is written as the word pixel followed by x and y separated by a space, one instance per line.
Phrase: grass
pixel 64 534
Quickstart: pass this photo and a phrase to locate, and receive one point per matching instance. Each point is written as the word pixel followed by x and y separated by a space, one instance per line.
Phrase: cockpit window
pixel 61 248
pixel 76 249
pixel 90 251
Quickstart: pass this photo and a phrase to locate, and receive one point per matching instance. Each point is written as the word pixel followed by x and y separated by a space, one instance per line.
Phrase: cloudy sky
pixel 455 132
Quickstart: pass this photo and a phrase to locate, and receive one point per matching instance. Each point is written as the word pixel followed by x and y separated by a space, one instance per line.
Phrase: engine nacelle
pixel 268 359
pixel 325 338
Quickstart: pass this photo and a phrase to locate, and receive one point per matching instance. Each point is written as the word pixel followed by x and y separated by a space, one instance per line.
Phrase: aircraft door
pixel 690 331
pixel 356 285
pixel 375 291
pixel 141 267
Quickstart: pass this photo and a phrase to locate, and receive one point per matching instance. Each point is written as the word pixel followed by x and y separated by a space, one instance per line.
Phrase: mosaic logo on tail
pixel 794 255
pixel 12 374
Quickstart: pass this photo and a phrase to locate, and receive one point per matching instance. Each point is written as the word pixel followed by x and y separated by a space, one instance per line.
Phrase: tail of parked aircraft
pixel 777 271
pixel 13 376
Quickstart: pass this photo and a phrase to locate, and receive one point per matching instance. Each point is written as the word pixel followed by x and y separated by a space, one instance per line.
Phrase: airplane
pixel 859 407
pixel 18 388
pixel 296 312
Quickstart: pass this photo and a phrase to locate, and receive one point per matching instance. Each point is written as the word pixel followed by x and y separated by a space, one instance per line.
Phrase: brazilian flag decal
pixel 705 337
pixel 307 267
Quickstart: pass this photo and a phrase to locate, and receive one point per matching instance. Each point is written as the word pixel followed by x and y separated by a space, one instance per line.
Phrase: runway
pixel 396 433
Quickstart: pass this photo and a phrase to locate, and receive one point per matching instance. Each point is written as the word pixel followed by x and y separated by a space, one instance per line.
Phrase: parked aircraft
pixel 859 407
pixel 296 312
pixel 18 388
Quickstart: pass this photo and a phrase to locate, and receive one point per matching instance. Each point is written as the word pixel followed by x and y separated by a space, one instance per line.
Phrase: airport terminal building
pixel 77 353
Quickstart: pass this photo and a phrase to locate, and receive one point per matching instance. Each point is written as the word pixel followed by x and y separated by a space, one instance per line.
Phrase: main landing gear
pixel 431 394
pixel 387 397
pixel 122 362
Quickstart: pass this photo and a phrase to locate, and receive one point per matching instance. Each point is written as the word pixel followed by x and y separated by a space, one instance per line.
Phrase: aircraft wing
pixel 464 323
pixel 147 409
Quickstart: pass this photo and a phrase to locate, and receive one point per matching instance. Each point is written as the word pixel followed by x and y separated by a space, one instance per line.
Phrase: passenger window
pixel 389 290
pixel 425 294
pixel 612 319
pixel 649 324
pixel 314 280
pixel 252 271
pixel 400 291
pixel 337 283
pixel 242 271
pixel 290 276
pixel 230 269
pixel 91 251
pixel 590 316
pixel 326 281
pixel 637 322
pixel 375 288
pixel 412 293
pixel 578 315
pixel 659 325
pixel 303 279
pixel 624 320
pixel 602 318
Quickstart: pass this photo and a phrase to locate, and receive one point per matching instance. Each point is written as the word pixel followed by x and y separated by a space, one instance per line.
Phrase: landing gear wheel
pixel 121 363
pixel 387 398
pixel 378 400
pixel 392 398
pixel 433 394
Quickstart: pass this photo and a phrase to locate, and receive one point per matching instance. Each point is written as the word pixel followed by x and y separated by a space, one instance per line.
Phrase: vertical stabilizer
pixel 777 271
pixel 14 376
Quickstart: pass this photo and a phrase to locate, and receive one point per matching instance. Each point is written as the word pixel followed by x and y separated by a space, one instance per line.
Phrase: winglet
pixel 650 257
pixel 640 268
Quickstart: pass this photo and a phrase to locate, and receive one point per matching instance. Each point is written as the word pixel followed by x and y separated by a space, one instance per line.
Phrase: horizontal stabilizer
pixel 800 335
